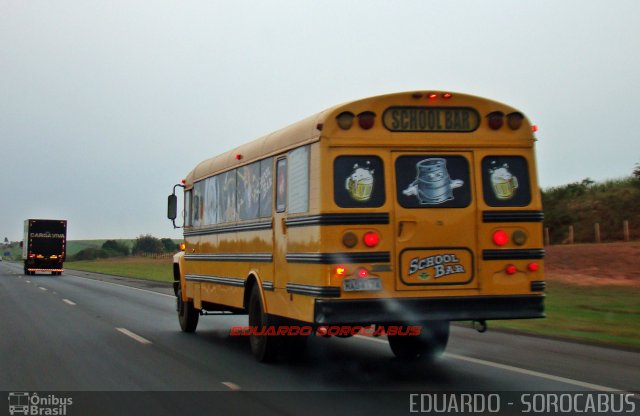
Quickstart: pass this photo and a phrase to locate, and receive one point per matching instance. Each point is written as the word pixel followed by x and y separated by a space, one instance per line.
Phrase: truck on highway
pixel 44 246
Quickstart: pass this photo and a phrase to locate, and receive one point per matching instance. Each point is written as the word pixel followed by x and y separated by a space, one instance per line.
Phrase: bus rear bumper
pixel 386 311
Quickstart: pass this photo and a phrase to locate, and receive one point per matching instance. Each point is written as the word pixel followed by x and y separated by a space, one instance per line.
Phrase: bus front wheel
pixel 187 314
pixel 430 344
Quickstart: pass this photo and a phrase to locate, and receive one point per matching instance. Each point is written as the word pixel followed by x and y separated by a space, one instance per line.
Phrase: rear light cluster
pixel 366 120
pixel 501 237
pixel 511 269
pixel 369 239
pixel 496 120
pixel 341 271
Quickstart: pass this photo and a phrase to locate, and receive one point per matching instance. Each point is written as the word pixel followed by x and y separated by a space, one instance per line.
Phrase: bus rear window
pixel 433 181
pixel 505 181
pixel 358 182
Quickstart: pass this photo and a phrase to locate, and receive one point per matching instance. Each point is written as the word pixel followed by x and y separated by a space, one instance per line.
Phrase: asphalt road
pixel 82 332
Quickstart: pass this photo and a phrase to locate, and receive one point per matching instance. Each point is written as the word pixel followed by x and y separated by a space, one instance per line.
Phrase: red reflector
pixel 533 267
pixel 363 272
pixel 500 238
pixel 511 269
pixel 366 119
pixel 238 156
pixel 341 271
pixel 534 128
pixel 371 239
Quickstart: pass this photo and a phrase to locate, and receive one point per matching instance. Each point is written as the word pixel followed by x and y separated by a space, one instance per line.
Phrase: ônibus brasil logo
pixel 325 330
pixel 32 404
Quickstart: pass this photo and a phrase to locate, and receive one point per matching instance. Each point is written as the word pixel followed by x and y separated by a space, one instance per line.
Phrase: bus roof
pixel 312 128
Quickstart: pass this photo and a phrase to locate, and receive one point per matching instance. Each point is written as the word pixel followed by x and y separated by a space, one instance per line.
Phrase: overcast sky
pixel 105 105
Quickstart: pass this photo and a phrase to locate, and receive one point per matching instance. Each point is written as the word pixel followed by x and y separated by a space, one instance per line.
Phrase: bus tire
pixel 430 344
pixel 264 348
pixel 187 314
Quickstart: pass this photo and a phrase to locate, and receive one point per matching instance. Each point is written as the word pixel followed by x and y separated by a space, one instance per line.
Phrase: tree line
pixel 585 203
pixel 145 244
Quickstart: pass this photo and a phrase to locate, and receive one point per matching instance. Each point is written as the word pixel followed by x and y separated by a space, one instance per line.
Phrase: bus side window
pixel 187 208
pixel 266 188
pixel 281 185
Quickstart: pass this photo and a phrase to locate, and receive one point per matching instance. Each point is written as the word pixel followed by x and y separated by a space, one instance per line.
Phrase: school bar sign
pixel 431 119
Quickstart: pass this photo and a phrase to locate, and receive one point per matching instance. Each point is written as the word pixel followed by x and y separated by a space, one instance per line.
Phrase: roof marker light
pixel 447 95
pixel 495 119
pixel 432 96
pixel 345 120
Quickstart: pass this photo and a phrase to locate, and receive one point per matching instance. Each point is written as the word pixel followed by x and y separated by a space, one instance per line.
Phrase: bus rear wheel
pixel 264 348
pixel 430 344
pixel 187 314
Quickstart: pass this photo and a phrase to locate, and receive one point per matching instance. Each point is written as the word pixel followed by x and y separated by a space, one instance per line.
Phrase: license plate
pixel 361 284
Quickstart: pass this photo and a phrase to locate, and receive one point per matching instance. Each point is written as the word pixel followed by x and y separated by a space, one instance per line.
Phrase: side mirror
pixel 172 207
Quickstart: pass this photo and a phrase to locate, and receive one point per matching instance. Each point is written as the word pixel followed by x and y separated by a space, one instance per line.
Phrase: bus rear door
pixel 435 221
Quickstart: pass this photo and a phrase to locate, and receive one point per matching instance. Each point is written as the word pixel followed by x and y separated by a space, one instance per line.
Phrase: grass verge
pixel 599 314
pixel 136 267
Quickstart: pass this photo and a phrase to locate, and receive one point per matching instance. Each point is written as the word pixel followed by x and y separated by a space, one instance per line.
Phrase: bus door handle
pixel 406 230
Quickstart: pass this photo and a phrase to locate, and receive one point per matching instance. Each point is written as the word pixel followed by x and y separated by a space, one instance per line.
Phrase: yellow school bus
pixel 410 209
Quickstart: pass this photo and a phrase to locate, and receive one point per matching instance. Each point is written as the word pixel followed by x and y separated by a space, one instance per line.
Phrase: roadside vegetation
pixel 598 314
pixel 583 204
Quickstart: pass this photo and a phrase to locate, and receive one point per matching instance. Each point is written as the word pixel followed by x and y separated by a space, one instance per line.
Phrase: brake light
pixel 511 269
pixel 363 272
pixel 371 239
pixel 500 238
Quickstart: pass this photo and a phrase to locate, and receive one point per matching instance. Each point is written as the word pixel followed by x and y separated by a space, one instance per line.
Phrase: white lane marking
pixel 551 377
pixel 69 302
pixel 232 386
pixel 116 284
pixel 28 281
pixel 42 288
pixel 137 337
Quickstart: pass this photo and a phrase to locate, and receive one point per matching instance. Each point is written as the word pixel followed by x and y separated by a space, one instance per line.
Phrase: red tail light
pixel 511 269
pixel 371 239
pixel 500 238
pixel 533 267
pixel 363 273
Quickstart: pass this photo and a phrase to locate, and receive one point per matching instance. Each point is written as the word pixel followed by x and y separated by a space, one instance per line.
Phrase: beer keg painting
pixel 358 181
pixel 505 181
pixel 433 181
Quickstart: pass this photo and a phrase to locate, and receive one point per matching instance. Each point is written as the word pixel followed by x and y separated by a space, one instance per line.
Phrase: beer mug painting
pixel 432 185
pixel 503 182
pixel 360 183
